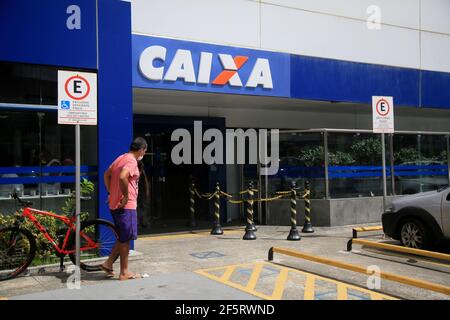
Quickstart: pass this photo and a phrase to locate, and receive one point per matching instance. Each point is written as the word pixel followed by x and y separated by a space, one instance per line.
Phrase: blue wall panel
pixel 35 32
pixel 335 80
pixel 436 89
pixel 115 111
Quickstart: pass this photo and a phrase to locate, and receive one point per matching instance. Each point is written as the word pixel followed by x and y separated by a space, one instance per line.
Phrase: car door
pixel 445 213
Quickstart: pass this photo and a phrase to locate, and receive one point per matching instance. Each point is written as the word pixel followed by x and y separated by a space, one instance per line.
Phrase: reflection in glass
pixel 301 159
pixel 37 160
pixel 420 163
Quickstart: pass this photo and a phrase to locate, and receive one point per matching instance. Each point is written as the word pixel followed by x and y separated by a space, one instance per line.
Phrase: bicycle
pixel 18 245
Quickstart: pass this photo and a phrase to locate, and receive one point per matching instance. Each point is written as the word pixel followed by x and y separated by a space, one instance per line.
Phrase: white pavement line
pixel 348 252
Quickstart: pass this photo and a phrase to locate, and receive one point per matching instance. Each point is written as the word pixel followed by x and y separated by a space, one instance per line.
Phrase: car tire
pixel 415 234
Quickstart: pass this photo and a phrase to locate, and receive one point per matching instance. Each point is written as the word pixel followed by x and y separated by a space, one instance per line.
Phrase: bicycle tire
pixel 110 234
pixel 5 246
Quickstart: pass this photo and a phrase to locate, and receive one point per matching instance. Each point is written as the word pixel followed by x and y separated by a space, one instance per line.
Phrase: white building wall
pixel 330 36
pixel 435 16
pixel 435 51
pixel 414 33
pixel 404 13
pixel 231 22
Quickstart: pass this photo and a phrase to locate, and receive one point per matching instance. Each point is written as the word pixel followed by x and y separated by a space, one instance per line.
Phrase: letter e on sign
pixel 382 107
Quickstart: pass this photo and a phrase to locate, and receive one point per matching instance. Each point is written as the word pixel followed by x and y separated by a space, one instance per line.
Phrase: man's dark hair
pixel 138 144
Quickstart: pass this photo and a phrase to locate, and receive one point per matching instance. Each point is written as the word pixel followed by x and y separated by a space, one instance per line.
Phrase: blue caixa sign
pixel 183 65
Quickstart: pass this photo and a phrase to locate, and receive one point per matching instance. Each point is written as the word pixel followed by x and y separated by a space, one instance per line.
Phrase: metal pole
pixel 383 159
pixel 259 186
pixel 419 149
pixel 266 204
pixel 448 158
pixel 77 194
pixel 241 187
pixel 391 148
pixel 263 206
pixel 40 117
pixel 327 161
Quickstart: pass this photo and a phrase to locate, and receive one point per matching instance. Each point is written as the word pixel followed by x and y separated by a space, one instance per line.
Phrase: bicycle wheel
pixel 104 234
pixel 17 250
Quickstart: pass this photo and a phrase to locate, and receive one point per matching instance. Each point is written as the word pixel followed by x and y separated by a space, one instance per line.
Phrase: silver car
pixel 419 220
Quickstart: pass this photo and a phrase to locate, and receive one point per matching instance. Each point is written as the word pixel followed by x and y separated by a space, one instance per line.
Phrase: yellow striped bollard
pixel 307 227
pixel 192 222
pixel 217 229
pixel 250 228
pixel 293 234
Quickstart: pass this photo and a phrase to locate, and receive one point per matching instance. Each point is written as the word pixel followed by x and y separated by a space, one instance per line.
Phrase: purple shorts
pixel 125 221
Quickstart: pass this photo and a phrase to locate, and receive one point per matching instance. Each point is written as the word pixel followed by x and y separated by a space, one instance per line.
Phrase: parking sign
pixel 77 98
pixel 383 114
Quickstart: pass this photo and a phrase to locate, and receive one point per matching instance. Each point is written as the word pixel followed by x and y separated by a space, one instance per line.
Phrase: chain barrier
pixel 278 195
pixel 249 200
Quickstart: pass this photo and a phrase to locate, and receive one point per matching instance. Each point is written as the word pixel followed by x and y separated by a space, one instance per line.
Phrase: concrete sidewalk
pixel 174 264
pixel 175 286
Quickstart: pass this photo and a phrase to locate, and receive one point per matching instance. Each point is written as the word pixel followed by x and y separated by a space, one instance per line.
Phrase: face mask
pixel 140 158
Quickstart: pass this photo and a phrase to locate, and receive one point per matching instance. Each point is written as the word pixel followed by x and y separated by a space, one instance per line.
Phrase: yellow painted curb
pixel 419 259
pixel 360 269
pixel 418 252
pixel 187 235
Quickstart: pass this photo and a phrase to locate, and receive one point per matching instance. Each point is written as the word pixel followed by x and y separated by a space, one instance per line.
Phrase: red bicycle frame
pixel 70 222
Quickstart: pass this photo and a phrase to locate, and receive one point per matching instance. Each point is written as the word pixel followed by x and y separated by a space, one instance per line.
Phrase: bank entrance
pixel 168 207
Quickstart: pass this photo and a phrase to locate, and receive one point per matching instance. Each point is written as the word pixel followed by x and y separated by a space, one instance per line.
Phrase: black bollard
pixel 250 229
pixel 191 222
pixel 307 227
pixel 217 229
pixel 293 234
pixel 251 194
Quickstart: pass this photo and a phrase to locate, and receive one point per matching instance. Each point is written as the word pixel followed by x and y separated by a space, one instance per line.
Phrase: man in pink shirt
pixel 121 181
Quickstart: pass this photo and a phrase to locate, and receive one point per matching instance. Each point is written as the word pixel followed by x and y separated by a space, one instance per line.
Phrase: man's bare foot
pixel 130 276
pixel 108 270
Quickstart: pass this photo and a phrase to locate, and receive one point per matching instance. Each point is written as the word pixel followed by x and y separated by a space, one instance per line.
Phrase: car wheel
pixel 414 234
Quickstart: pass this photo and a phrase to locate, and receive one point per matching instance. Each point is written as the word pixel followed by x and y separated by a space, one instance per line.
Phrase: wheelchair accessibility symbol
pixel 65 105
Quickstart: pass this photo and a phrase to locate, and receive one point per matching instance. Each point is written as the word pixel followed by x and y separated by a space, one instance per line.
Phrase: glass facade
pixel 355 165
pixel 38 155
pixel 28 84
pixel 414 163
pixel 420 163
pixel 301 158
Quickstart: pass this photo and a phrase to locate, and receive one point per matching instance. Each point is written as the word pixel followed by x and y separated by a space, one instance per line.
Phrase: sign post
pixel 383 122
pixel 77 105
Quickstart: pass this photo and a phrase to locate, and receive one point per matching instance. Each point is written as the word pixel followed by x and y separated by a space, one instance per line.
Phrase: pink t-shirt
pixel 129 162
